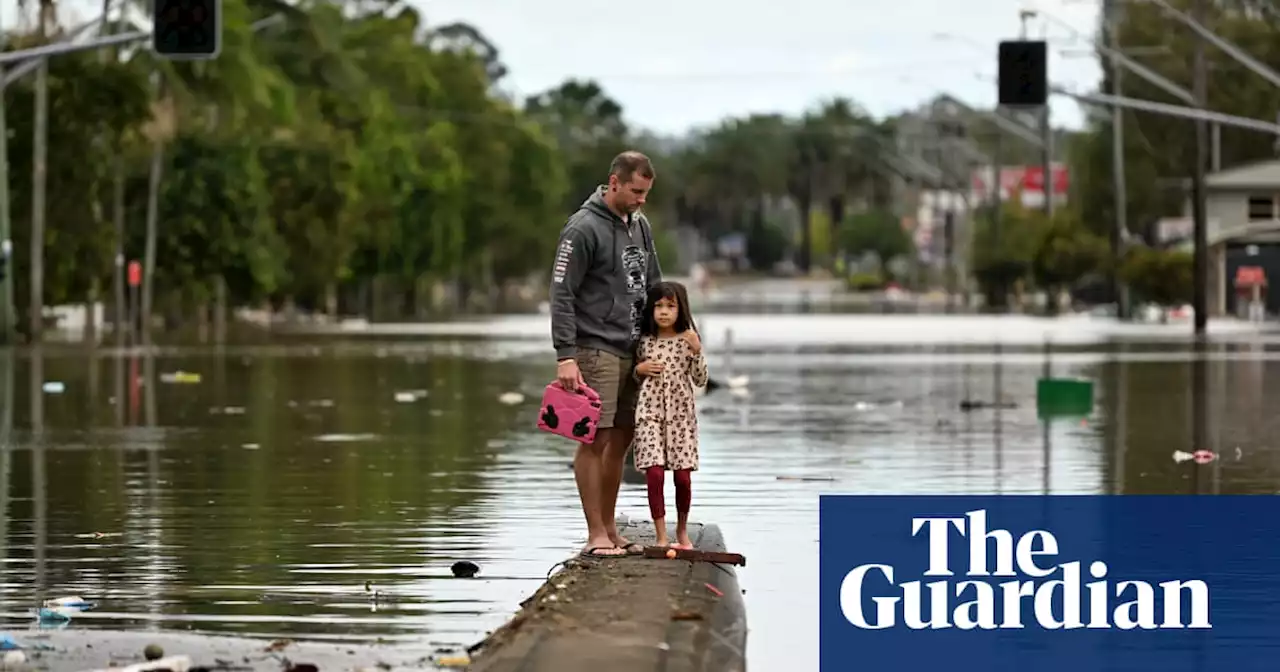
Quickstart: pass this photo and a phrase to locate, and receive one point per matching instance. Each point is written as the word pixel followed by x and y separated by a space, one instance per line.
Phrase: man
pixel 604 265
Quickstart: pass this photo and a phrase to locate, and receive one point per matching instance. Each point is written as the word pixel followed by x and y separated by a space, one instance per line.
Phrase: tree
pixel 876 232
pixel 1158 150
pixel 1001 258
pixel 1066 253
pixel 1163 277
pixel 587 126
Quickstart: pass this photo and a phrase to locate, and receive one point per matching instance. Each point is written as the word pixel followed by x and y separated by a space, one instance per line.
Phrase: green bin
pixel 1064 398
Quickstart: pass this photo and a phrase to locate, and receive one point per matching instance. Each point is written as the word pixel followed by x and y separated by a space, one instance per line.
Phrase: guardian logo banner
pixel 1051 584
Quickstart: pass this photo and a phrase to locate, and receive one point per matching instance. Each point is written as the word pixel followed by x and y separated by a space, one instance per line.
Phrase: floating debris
pixel 153 652
pixel 454 661
pixel 464 569
pixel 314 403
pixel 873 405
pixel 410 396
pixel 74 602
pixel 99 535
pixel 511 398
pixel 13 659
pixel 1199 457
pixel 54 387
pixel 976 404
pixel 251 446
pixel 8 643
pixel 180 378
pixel 737 386
pixel 51 616
pixel 227 410
pixel 344 438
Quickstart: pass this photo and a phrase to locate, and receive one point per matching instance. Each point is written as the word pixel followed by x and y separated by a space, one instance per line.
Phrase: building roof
pixel 1260 175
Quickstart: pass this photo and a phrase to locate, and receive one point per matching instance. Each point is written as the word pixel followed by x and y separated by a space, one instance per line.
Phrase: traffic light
pixel 187 29
pixel 1023 73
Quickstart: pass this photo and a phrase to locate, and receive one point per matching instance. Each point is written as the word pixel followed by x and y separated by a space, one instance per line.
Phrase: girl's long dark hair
pixel 667 290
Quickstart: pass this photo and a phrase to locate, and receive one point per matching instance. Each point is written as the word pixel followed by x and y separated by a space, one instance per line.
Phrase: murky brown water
pixel 260 500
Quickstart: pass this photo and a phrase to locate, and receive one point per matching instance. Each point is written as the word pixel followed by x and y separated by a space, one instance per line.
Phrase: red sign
pixel 135 274
pixel 1015 179
pixel 1251 276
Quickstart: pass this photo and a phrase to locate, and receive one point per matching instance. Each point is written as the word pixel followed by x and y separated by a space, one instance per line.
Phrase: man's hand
pixel 650 368
pixel 691 337
pixel 568 374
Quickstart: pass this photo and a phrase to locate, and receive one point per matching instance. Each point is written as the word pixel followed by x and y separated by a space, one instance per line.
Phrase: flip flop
pixel 632 548
pixel 591 552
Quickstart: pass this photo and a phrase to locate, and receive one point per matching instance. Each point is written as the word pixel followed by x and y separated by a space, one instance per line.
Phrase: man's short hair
pixel 630 163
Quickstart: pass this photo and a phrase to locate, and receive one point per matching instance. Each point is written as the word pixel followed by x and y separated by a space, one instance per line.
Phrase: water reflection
pixel 260 500
pixel 6 458
pixel 997 439
pixel 39 482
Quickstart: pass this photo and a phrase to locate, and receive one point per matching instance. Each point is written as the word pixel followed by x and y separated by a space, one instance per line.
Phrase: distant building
pixel 1242 205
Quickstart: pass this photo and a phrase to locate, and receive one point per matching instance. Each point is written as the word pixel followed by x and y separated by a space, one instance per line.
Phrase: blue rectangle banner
pixel 1050 584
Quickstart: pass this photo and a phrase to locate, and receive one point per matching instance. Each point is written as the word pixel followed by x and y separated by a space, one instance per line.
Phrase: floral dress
pixel 666 420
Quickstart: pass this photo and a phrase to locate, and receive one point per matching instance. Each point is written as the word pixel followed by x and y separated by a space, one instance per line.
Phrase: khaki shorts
pixel 611 377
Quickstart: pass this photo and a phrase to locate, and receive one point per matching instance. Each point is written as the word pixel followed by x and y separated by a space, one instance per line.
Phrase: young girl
pixel 670 365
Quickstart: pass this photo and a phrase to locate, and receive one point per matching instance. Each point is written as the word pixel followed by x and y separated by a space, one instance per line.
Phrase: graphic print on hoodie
pixel 603 267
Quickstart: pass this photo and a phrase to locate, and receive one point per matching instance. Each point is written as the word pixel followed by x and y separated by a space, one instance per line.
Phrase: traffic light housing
pixel 187 29
pixel 1023 73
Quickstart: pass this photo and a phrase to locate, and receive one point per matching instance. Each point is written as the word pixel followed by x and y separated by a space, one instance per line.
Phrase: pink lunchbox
pixel 573 415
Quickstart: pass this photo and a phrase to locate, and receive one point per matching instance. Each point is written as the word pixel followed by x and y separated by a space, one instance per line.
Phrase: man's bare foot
pixel 682 540
pixel 597 548
pixel 625 545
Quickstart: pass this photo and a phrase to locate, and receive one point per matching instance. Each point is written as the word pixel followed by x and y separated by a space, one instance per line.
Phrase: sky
pixel 675 66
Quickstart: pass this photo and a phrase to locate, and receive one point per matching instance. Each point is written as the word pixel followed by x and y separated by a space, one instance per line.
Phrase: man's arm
pixel 654 273
pixel 573 258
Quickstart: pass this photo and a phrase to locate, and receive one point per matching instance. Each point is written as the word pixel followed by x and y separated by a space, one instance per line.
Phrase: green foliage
pixel 337 147
pixel 865 282
pixel 819 235
pixel 1159 150
pixel 354 145
pixel 876 232
pixel 766 244
pixel 1066 252
pixel 1001 255
pixel 1163 277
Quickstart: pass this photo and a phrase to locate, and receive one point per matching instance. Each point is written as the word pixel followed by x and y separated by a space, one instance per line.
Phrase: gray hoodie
pixel 603 268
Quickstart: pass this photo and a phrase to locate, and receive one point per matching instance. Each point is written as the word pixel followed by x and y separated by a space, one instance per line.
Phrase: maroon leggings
pixel 655 478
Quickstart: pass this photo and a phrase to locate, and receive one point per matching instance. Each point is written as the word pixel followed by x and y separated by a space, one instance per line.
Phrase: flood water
pixel 260 500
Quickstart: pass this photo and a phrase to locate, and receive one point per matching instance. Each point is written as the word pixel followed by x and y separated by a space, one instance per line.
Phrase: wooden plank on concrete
pixel 694 555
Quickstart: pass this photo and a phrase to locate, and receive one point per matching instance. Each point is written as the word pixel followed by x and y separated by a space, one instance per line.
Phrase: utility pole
pixel 38 175
pixel 1201 259
pixel 997 206
pixel 153 215
pixel 7 317
pixel 1046 130
pixel 1113 11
